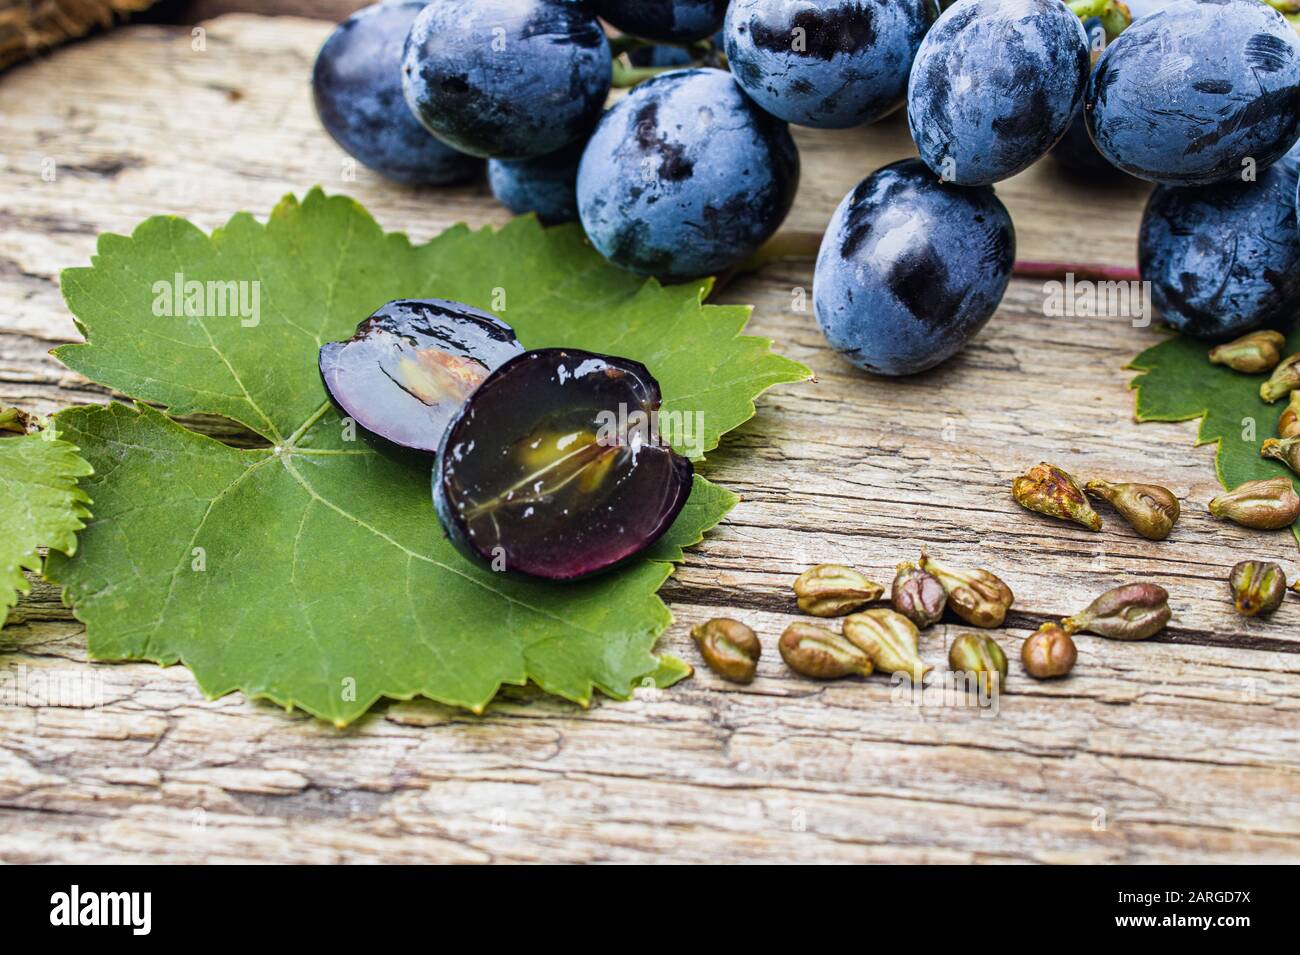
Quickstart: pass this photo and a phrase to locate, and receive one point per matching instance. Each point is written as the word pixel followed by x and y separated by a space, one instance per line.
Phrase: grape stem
pixel 1113 14
pixel 618 45
pixel 797 245
pixel 625 76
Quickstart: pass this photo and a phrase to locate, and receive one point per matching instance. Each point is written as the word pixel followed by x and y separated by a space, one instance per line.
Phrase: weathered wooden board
pixel 1186 748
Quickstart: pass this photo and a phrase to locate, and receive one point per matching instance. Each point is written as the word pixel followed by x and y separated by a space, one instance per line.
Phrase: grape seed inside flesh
pixel 685 177
pixel 357 87
pixel 668 21
pixel 411 365
pixel 506 79
pixel 826 63
pixel 994 85
pixel 1224 259
pixel 554 467
pixel 911 268
pixel 1198 91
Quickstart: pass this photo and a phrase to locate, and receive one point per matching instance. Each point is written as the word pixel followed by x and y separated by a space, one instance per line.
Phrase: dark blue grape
pixel 685 177
pixel 1224 259
pixel 357 84
pixel 826 63
pixel 547 185
pixel 911 268
pixel 506 79
pixel 1189 93
pixel 995 85
pixel 661 56
pixel 668 21
pixel 665 56
pixel 1077 153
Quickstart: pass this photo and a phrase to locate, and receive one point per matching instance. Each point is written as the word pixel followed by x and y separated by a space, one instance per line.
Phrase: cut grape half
pixel 410 366
pixel 555 467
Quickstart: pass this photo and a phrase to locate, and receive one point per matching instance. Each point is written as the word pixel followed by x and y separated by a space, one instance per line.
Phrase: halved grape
pixel 411 365
pixel 554 468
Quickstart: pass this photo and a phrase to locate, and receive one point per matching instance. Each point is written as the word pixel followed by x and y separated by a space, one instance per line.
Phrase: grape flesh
pixel 1224 259
pixel 685 177
pixel 826 63
pixel 911 268
pixel 667 21
pixel 411 365
pixel 1194 92
pixel 555 467
pixel 995 85
pixel 357 87
pixel 506 79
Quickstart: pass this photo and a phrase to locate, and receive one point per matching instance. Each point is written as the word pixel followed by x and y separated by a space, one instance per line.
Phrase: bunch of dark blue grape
pixel 694 170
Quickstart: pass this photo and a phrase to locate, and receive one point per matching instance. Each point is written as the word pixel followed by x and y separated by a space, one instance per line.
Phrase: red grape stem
pixel 1082 271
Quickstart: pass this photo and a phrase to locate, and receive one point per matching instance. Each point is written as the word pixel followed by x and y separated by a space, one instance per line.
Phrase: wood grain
pixel 1181 749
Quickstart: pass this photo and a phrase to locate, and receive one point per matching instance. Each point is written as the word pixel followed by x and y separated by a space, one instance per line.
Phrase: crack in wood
pixel 675 591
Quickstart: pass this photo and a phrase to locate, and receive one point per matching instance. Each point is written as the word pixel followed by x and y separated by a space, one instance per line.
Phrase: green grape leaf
pixel 1178 383
pixel 313 572
pixel 40 502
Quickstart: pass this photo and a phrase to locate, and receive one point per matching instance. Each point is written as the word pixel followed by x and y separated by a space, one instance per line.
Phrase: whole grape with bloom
pixel 1195 92
pixel 1224 259
pixel 668 21
pixel 547 185
pixel 995 84
pixel 685 177
pixel 357 87
pixel 826 63
pixel 506 79
pixel 911 268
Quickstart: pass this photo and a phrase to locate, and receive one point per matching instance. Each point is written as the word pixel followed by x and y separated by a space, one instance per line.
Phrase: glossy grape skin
pixel 667 21
pixel 552 467
pixel 1186 94
pixel 994 85
pixel 852 66
pixel 409 367
pixel 1224 259
pixel 547 185
pixel 357 87
pixel 685 177
pixel 911 268
pixel 506 79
